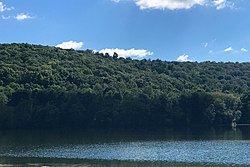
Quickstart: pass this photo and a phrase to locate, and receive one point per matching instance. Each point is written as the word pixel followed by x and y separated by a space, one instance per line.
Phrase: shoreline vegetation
pixel 44 87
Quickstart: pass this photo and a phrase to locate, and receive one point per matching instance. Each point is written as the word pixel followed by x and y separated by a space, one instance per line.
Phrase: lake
pixel 170 147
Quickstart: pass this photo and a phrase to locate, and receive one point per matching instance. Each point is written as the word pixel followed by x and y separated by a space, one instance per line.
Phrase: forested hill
pixel 48 87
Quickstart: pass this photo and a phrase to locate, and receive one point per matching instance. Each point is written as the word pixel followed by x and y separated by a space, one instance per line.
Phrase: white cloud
pixel 179 4
pixel 229 49
pixel 168 4
pixel 116 1
pixel 23 16
pixel 3 7
pixel 221 4
pixel 205 44
pixel 183 58
pixel 19 17
pixel 5 17
pixel 243 50
pixel 138 53
pixel 70 45
pixel 211 52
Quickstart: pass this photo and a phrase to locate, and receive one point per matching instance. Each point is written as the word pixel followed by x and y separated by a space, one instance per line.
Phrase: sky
pixel 171 30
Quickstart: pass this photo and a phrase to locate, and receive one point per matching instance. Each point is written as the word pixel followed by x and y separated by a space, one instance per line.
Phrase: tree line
pixel 49 87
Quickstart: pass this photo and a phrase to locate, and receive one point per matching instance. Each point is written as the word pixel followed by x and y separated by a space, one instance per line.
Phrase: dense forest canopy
pixel 48 87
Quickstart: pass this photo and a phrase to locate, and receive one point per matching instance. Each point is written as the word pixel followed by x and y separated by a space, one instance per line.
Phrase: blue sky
pixel 183 30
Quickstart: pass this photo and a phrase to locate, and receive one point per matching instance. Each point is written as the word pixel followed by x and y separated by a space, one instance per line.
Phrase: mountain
pixel 49 87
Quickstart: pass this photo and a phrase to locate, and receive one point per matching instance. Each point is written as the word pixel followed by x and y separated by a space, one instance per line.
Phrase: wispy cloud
pixel 19 17
pixel 116 1
pixel 3 7
pixel 205 45
pixel 183 58
pixel 243 50
pixel 70 45
pixel 229 49
pixel 136 53
pixel 221 4
pixel 5 17
pixel 210 51
pixel 23 16
pixel 179 4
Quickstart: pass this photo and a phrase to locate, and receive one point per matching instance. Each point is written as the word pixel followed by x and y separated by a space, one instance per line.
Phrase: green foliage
pixel 245 99
pixel 209 109
pixel 3 99
pixel 48 87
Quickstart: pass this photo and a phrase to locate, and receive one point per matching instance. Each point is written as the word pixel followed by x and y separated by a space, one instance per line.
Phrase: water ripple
pixel 217 151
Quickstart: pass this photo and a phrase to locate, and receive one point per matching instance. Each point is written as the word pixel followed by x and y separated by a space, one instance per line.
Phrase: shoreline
pixel 36 161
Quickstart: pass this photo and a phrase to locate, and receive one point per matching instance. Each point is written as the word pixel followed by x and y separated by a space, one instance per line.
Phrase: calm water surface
pixel 210 147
